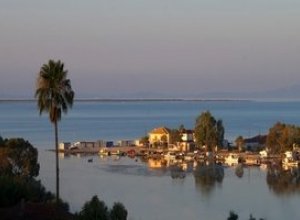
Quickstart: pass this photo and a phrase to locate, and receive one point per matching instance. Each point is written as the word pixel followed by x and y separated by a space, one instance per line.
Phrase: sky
pixel 151 48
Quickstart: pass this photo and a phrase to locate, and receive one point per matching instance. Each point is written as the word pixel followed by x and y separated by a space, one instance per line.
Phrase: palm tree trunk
pixel 56 162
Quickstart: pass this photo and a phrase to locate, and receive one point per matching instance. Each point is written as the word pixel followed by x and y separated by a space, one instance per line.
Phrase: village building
pixel 126 143
pixel 159 137
pixel 187 143
pixel 87 146
pixel 64 146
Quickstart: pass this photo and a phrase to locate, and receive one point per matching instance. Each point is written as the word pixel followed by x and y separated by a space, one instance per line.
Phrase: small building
pixel 187 135
pixel 64 146
pixel 109 144
pixel 85 146
pixel 100 143
pixel 126 143
pixel 159 136
pixel 139 143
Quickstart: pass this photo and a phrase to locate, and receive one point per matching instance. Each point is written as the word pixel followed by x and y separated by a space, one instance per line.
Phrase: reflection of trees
pixel 283 181
pixel 207 176
pixel 239 171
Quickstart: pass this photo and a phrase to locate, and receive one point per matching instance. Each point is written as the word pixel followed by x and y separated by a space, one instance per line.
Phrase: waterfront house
pixel 187 143
pixel 159 137
pixel 263 153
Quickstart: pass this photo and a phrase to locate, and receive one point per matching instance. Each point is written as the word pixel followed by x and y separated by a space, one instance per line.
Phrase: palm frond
pixel 53 90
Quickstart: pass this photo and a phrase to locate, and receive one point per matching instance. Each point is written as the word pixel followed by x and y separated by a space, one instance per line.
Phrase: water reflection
pixel 208 176
pixel 282 180
pixel 239 170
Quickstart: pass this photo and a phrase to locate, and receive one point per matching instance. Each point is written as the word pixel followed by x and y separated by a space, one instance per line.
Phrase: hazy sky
pixel 175 48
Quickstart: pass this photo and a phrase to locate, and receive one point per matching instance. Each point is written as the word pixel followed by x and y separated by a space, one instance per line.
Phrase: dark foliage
pixel 94 209
pixel 19 158
pixel 118 212
pixel 232 216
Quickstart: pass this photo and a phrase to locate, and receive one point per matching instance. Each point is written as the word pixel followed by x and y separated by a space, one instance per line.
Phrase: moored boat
pixel 289 160
pixel 232 159
pixel 170 155
pixel 104 152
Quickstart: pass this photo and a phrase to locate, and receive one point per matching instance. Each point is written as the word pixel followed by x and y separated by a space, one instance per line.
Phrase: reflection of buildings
pixel 207 176
pixel 283 181
pixel 61 155
pixel 154 163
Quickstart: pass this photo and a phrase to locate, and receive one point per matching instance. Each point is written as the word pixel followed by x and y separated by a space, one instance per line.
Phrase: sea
pixel 151 193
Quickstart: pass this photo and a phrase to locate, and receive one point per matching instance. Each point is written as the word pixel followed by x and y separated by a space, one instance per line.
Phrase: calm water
pixel 148 193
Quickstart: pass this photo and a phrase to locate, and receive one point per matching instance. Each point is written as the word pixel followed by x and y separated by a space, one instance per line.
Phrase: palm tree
pixel 54 95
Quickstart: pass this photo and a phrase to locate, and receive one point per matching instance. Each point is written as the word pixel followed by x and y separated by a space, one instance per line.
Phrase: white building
pixel 126 143
pixel 64 146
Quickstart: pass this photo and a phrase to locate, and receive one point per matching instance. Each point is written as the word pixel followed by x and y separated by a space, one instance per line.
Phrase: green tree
pixel 282 137
pixel 19 158
pixel 54 95
pixel 118 212
pixel 208 131
pixel 207 176
pixel 181 128
pixel 1 142
pixel 144 140
pixel 220 132
pixel 94 210
pixel 175 136
pixel 239 141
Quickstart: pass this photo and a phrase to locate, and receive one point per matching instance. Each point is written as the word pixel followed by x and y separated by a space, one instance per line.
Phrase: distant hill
pixel 292 92
pixel 288 92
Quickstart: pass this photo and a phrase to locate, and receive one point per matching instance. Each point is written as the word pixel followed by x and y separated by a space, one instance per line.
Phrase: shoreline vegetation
pixel 23 197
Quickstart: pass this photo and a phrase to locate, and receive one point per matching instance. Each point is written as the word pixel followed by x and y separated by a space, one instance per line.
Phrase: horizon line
pixel 160 99
pixel 135 99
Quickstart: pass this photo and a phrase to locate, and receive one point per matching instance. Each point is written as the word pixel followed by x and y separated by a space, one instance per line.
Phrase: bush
pixel 13 189
pixel 232 216
pixel 94 210
pixel 19 158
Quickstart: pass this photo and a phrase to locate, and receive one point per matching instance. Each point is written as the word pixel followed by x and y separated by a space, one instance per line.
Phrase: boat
pixel 189 157
pixel 232 159
pixel 104 152
pixel 289 160
pixel 116 152
pixel 252 160
pixel 239 171
pixel 170 155
pixel 131 153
